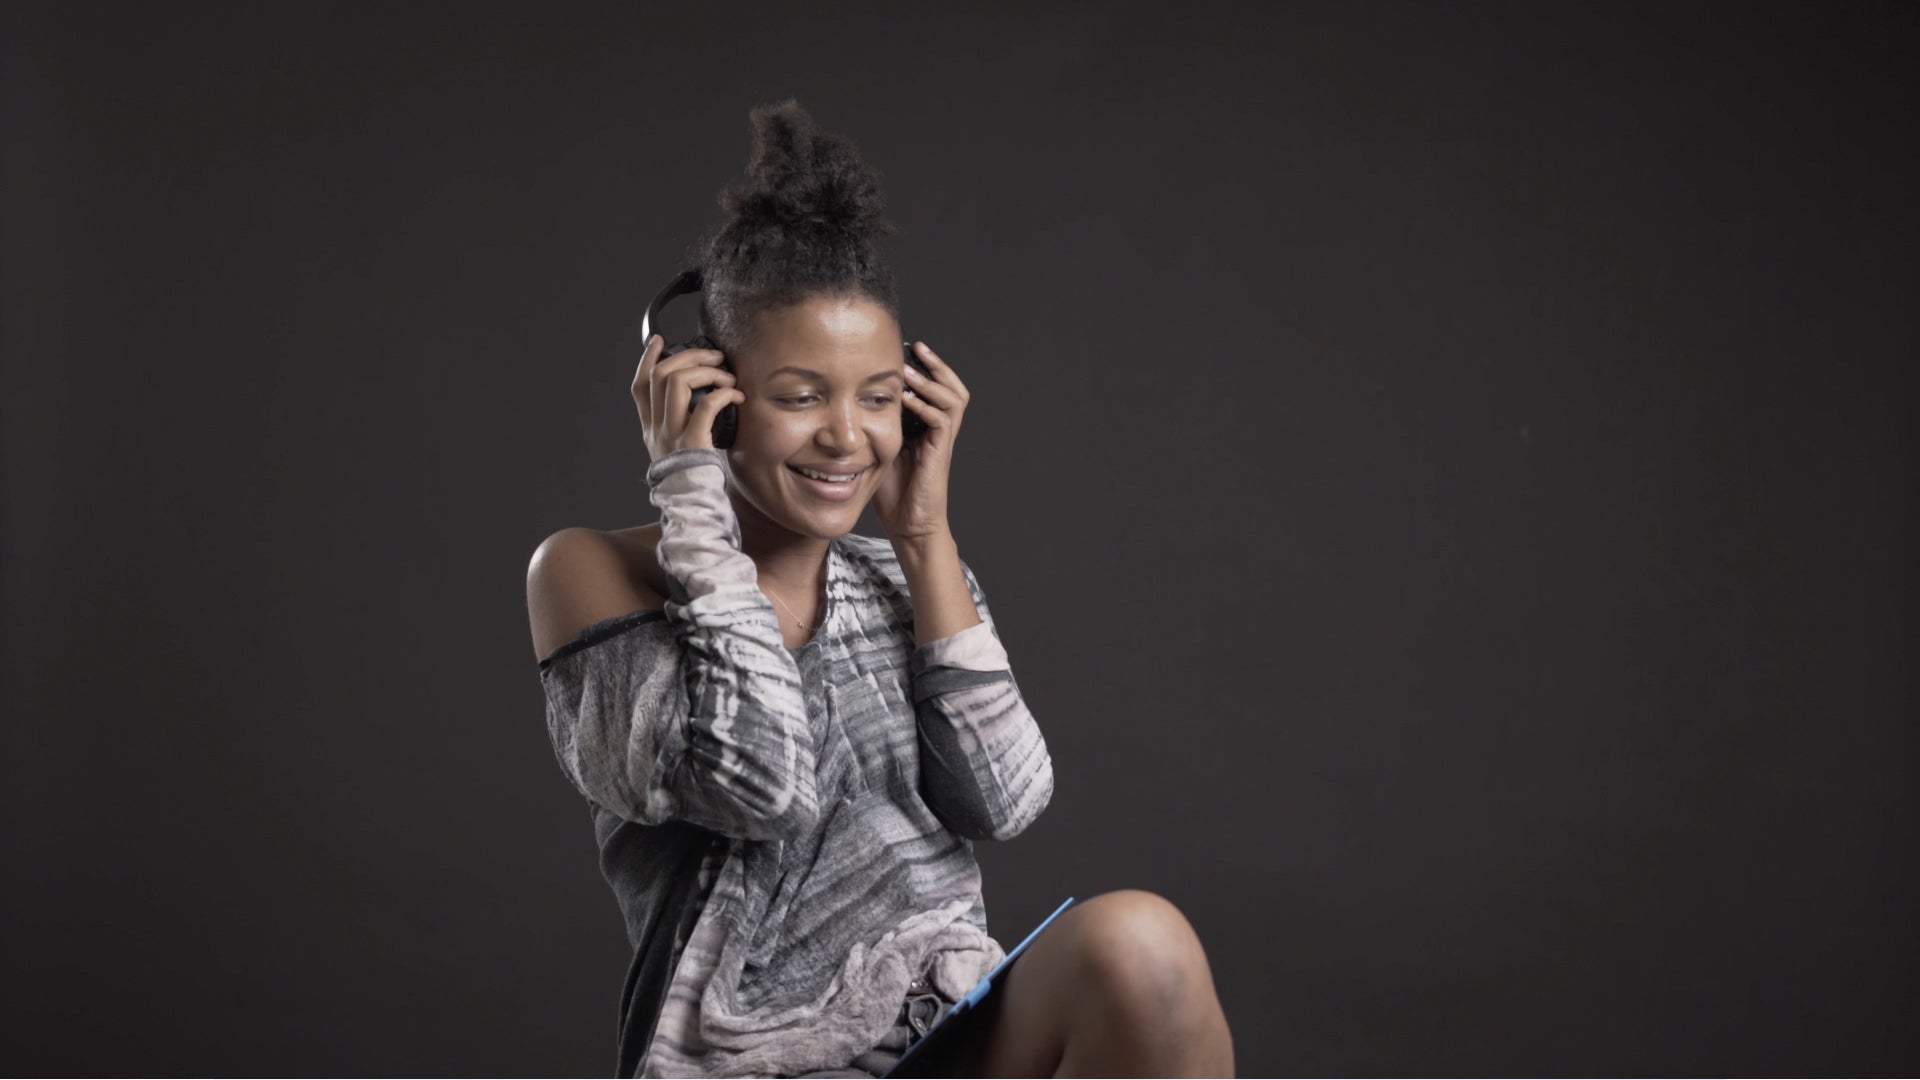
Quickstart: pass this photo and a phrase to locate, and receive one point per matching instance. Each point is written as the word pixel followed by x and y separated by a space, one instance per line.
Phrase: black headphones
pixel 724 425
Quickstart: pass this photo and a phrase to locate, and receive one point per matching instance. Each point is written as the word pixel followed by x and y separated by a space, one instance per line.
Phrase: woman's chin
pixel 828 524
pixel 819 522
pixel 800 513
pixel 824 518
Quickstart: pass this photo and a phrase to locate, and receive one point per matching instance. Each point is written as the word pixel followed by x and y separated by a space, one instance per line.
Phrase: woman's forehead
pixel 829 338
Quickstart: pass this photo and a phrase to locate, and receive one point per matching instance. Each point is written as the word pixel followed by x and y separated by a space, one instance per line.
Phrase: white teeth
pixel 824 476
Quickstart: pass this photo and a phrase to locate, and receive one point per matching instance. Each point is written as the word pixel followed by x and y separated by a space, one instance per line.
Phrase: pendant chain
pixel 803 623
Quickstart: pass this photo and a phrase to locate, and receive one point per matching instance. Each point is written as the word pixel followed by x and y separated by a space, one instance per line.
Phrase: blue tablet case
pixel 976 995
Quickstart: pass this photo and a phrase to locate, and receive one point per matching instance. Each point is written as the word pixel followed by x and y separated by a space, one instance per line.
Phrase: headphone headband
pixel 688 281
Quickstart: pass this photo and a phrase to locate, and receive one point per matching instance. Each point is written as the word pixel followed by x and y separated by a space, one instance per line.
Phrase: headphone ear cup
pixel 727 420
pixel 911 426
pixel 725 423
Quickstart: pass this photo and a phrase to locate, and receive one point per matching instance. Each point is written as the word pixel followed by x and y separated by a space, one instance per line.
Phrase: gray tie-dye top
pixel 788 832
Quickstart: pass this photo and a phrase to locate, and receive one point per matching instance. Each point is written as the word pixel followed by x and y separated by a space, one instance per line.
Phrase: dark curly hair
pixel 803 222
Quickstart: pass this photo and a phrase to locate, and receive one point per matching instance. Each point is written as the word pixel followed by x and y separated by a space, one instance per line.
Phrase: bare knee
pixel 1145 959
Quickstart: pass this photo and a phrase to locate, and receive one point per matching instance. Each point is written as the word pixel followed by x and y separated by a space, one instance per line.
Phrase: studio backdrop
pixel 1440 473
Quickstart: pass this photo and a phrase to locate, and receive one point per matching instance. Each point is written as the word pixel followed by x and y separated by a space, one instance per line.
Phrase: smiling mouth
pixel 829 477
pixel 841 491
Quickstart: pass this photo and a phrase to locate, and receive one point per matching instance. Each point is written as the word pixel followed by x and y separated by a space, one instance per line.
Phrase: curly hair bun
pixel 805 220
pixel 800 176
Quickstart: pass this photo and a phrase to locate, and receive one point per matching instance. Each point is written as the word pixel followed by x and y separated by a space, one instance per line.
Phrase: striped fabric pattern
pixel 837 789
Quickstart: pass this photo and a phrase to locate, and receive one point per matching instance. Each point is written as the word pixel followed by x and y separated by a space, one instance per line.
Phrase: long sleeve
pixel 984 766
pixel 699 717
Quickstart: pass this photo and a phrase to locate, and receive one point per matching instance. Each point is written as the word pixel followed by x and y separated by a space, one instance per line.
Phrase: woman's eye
pixel 801 400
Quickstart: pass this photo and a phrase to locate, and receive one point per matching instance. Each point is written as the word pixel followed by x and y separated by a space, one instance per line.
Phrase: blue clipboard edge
pixel 980 989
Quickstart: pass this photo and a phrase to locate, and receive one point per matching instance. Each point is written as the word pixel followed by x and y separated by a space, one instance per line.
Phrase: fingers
pixel 934 415
pixel 648 357
pixel 642 381
pixel 681 417
pixel 685 361
pixel 700 423
pixel 663 389
pixel 944 377
pixel 655 346
pixel 944 391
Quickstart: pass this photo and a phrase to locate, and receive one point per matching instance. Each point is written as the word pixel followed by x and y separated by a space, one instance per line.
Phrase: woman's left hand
pixel 911 501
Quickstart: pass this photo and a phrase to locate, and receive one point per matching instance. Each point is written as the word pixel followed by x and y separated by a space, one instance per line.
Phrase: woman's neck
pixel 793 562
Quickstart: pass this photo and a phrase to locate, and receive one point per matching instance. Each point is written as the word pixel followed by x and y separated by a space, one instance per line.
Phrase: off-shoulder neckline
pixel 620 624
pixel 601 631
pixel 838 548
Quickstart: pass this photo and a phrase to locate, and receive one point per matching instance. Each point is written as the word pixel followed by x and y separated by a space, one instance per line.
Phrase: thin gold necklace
pixel 802 622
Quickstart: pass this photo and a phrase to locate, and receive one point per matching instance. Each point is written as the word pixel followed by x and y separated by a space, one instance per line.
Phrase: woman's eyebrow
pixel 792 370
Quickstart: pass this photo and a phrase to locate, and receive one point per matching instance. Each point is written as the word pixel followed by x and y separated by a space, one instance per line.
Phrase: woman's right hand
pixel 663 391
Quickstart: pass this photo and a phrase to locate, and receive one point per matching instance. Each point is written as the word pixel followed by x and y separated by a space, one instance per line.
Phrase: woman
pixel 789 735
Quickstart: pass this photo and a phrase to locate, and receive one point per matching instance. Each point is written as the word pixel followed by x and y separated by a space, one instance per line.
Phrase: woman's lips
pixel 840 492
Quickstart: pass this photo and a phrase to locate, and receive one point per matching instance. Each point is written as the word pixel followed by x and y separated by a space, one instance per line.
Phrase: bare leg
pixel 1118 986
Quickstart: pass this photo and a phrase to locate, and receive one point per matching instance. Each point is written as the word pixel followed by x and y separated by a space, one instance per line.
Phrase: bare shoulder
pixel 639 544
pixel 579 576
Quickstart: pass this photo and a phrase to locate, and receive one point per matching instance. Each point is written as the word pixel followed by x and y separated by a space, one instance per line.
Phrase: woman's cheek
pixel 772 431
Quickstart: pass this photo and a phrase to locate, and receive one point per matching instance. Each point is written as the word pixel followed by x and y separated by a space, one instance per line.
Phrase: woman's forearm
pixel 735 753
pixel 942 606
pixel 984 767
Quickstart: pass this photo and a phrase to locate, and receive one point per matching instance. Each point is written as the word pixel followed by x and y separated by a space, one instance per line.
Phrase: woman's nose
pixel 842 432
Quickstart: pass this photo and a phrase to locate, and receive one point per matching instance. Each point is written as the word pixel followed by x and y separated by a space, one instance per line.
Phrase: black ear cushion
pixel 911 426
pixel 727 421
pixel 724 425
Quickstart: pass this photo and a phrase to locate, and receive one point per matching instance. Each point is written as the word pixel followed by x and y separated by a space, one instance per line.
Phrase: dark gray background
pixel 1441 474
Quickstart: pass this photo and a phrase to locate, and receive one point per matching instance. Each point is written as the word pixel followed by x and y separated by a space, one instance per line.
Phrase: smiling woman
pixel 789 735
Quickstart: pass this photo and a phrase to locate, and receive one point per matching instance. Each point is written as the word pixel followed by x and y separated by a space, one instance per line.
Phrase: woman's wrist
pixel 685 458
pixel 925 548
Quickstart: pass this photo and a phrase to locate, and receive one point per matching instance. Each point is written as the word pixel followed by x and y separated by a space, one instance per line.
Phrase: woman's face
pixel 822 383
